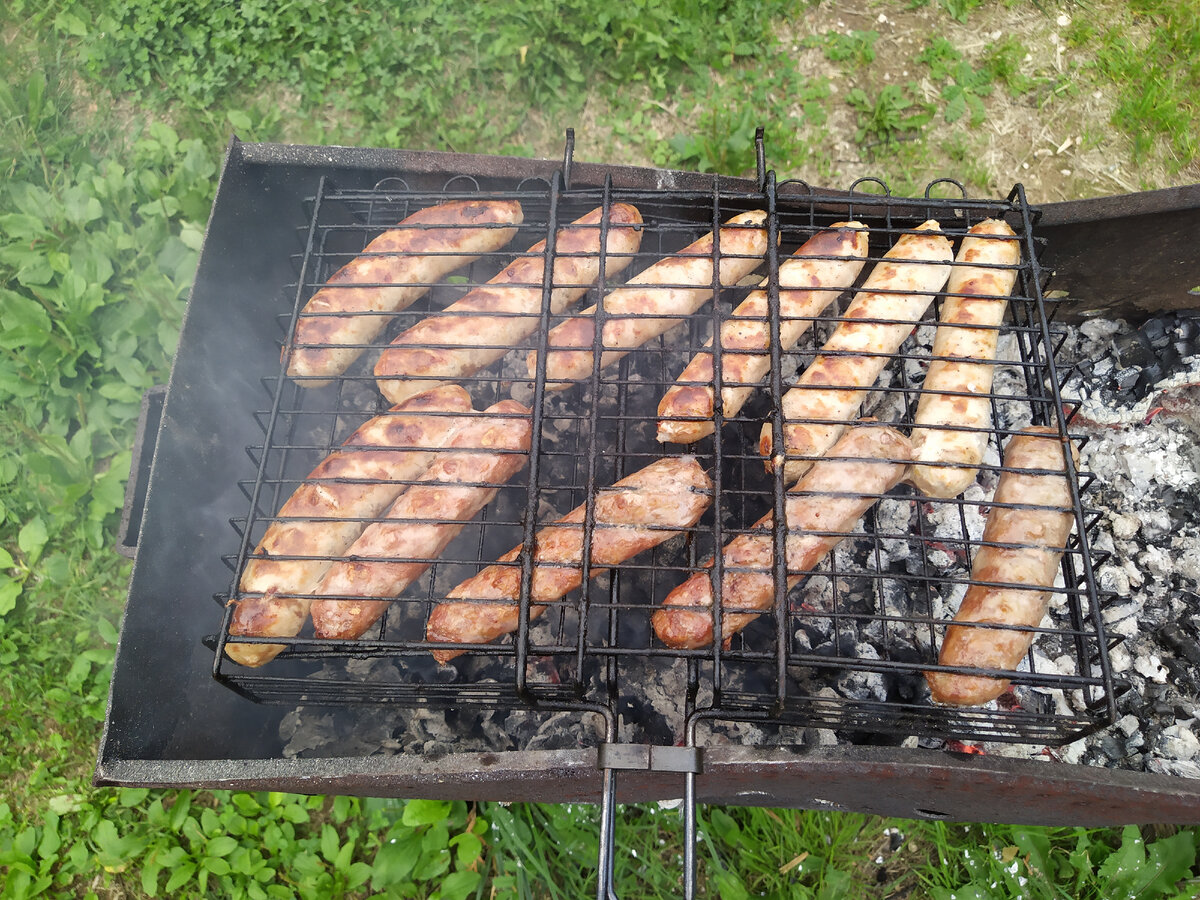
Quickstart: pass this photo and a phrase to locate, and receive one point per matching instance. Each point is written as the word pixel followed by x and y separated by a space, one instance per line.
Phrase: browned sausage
pixel 834 386
pixel 324 515
pixel 968 330
pixel 485 324
pixel 823 267
pixel 1031 537
pixel 821 509
pixel 395 270
pixel 674 287
pixel 394 552
pixel 638 512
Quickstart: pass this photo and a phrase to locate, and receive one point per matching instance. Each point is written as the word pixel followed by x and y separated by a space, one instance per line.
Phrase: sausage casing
pixel 638 512
pixel 822 510
pixel 324 515
pixel 478 329
pixel 392 553
pixel 809 280
pixel 395 270
pixel 670 288
pixel 833 387
pixel 967 334
pixel 1030 537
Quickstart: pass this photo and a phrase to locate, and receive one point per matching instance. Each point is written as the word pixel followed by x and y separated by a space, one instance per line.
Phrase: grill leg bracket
pixel 612 758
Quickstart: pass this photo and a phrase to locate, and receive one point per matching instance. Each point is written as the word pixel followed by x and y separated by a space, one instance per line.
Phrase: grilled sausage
pixel 395 270
pixel 637 513
pixel 808 282
pixel 833 387
pixel 674 287
pixel 1031 536
pixel 821 510
pixel 324 515
pixel 485 324
pixel 394 552
pixel 969 329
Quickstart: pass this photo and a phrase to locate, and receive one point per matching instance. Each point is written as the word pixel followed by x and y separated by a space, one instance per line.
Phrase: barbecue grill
pixel 842 656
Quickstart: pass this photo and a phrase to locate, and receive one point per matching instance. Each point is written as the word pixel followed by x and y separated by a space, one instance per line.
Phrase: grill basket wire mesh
pixel 846 650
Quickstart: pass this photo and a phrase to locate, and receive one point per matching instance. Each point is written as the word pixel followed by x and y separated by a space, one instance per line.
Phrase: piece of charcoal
pixel 1154 373
pixel 1155 333
pixel 1127 378
pixel 1179 641
pixel 1133 350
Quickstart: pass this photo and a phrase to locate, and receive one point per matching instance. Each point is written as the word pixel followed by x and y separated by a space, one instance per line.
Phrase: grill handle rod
pixel 612 758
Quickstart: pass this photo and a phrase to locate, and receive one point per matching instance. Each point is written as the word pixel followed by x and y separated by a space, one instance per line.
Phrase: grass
pixel 112 119
pixel 1155 58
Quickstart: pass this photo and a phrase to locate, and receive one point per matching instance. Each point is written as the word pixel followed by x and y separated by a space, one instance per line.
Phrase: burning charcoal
pixel 863 685
pixel 1154 373
pixel 1126 379
pixel 1111 747
pixel 1155 333
pixel 1133 351
pixel 1179 641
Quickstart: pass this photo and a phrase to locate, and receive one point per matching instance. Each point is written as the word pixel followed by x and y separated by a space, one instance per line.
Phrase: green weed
pixel 856 47
pixel 1159 78
pixel 887 118
pixel 1058 864
pixel 100 216
pixel 958 9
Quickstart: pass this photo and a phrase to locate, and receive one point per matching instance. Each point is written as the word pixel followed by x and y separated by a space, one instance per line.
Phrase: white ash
pixel 1147 477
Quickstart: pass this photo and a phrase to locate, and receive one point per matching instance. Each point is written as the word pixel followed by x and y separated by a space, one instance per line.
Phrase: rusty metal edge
pixel 882 781
pixel 1115 206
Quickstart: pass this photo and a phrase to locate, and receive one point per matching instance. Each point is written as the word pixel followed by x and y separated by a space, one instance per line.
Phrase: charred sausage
pixel 394 270
pixel 967 334
pixel 394 552
pixel 833 387
pixel 324 515
pixel 490 320
pixel 823 267
pixel 672 288
pixel 822 510
pixel 638 512
pixel 1024 540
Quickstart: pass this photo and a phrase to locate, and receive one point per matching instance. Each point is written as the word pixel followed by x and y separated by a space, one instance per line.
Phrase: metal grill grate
pixel 846 650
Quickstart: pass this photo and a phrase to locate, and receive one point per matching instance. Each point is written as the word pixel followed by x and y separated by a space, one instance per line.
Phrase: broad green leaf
pixel 80 206
pixel 32 539
pixel 131 797
pixel 394 861
pixel 462 884
pixel 71 24
pixel 64 804
pixel 24 323
pixel 329 843
pixel 467 849
pixel 729 886
pixel 222 845
pixel 179 877
pixel 50 842
pixel 10 591
pixel 425 812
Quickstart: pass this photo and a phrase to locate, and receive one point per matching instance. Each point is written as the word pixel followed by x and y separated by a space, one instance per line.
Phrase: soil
pixel 1056 137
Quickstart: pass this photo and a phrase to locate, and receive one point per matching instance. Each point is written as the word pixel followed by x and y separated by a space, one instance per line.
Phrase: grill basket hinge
pixel 650 758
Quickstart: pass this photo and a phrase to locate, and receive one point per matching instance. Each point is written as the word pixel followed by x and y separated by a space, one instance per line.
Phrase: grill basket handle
pixel 612 758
